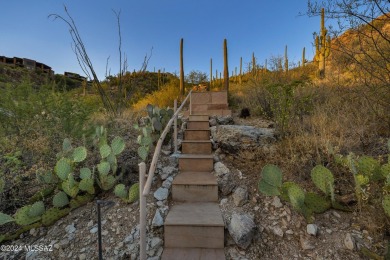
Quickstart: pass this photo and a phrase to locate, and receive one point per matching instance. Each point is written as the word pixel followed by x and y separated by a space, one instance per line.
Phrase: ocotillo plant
pixel 322 46
pixel 303 57
pixel 211 74
pixel 225 66
pixel 181 68
pixel 285 60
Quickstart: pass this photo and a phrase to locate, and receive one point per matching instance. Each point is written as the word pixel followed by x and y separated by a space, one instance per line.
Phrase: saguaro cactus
pixel 303 57
pixel 253 64
pixel 225 66
pixel 181 68
pixel 322 46
pixel 211 74
pixel 240 78
pixel 285 60
pixel 265 65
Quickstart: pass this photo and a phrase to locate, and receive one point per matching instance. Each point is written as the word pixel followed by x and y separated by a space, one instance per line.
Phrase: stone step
pixel 195 224
pixel 199 118
pixel 198 125
pixel 195 187
pixel 193 254
pixel 196 147
pixel 196 162
pixel 191 134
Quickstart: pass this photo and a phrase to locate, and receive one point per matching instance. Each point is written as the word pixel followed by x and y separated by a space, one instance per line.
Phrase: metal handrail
pixel 158 148
pixel 144 188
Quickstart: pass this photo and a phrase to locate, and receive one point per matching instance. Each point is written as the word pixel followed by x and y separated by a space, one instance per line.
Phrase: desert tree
pixel 113 105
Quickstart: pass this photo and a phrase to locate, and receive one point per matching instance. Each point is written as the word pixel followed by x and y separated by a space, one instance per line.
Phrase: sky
pixel 264 27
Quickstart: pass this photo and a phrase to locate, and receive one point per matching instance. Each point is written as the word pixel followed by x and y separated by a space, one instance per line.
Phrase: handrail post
pixel 191 103
pixel 142 211
pixel 175 127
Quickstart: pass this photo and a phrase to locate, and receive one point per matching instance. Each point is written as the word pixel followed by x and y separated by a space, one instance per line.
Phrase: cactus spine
pixel 225 66
pixel 322 46
pixel 303 57
pixel 285 60
pixel 181 68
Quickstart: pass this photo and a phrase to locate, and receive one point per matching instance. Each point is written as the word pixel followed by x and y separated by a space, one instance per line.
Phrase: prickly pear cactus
pixel 271 180
pixel 23 218
pixel 386 204
pixel 143 152
pixel 297 197
pixel 107 181
pixel 284 190
pixel 323 179
pixel 120 191
pixel 53 214
pixel 317 203
pixel 85 173
pixel 79 154
pixel 369 167
pixel 103 168
pixel 134 193
pixel 80 200
pixel 4 219
pixel 117 145
pixel 60 200
pixel 105 150
pixel 37 209
pixel 63 168
pixel 87 185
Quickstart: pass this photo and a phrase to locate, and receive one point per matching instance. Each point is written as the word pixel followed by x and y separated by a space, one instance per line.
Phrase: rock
pixel 305 243
pixel 90 223
pixel 225 120
pixel 156 242
pixel 167 171
pixel 226 184
pixel 82 257
pixel 242 229
pixel 154 258
pixel 31 255
pixel 233 138
pixel 93 230
pixel 223 201
pixel 240 196
pixel 221 169
pixel 312 229
pixel 70 228
pixel 157 221
pixel 161 193
pixel 276 202
pixel 277 231
pixel 349 242
pixel 213 121
pixel 168 182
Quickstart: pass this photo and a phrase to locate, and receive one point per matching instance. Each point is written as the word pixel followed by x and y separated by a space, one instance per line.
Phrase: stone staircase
pixel 194 228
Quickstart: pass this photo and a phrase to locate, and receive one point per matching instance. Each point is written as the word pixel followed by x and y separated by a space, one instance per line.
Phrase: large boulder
pixel 233 138
pixel 242 229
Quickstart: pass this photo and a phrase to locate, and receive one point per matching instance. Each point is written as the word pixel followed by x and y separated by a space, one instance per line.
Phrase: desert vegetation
pixel 62 143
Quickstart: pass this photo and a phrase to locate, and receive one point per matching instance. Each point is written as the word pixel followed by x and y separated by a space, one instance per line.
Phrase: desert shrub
pixel 161 98
pixel 28 114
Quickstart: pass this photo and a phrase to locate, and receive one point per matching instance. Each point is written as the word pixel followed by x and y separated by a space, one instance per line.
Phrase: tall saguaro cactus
pixel 285 60
pixel 253 64
pixel 240 78
pixel 322 46
pixel 181 68
pixel 225 66
pixel 303 57
pixel 211 74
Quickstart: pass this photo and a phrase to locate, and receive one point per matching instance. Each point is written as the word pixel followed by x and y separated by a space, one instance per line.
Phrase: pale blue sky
pixel 260 26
